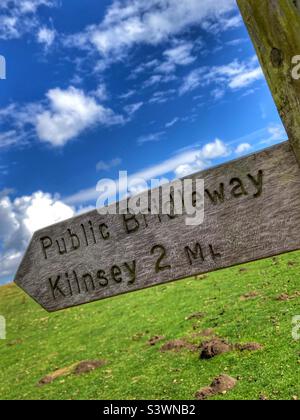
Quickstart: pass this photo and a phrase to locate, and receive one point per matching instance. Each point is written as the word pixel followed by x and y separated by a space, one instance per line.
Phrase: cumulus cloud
pixel 19 219
pixel 242 148
pixel 62 117
pixel 133 22
pixel 46 36
pixel 203 157
pixel 18 17
pixel 70 113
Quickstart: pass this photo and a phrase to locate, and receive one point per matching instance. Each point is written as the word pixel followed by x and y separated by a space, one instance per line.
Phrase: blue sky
pixel 159 88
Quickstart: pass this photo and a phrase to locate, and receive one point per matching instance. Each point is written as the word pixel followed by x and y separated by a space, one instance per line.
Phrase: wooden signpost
pixel 252 205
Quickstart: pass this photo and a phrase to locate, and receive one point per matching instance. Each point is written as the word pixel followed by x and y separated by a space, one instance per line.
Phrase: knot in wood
pixel 276 57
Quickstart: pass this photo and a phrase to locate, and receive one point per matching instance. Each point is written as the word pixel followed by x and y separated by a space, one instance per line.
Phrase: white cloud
pixel 69 113
pixel 101 92
pixel 153 137
pixel 156 79
pixel 106 166
pixel 19 219
pixel 162 97
pixel 218 93
pixel 128 94
pixel 8 138
pixel 144 67
pixel 17 124
pixel 172 122
pixel 192 81
pixel 46 36
pixel 275 133
pixel 236 42
pixel 234 76
pixel 181 164
pixel 63 116
pixel 215 150
pixel 132 22
pixel 203 158
pixel 133 108
pixel 18 17
pixel 179 55
pixel 246 78
pixel 242 148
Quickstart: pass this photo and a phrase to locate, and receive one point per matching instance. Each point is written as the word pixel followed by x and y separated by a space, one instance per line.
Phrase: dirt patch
pixel 88 366
pixel 138 336
pixel 75 369
pixel 214 348
pixel 14 343
pixel 201 277
pixel 196 315
pixel 221 385
pixel 249 296
pixel 156 339
pixel 178 345
pixel 209 332
pixel 243 270
pixel 217 346
pixel 284 297
pixel 55 375
pixel 291 263
pixel 249 347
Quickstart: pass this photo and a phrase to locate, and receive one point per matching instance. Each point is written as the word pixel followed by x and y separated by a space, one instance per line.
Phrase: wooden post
pixel 274 26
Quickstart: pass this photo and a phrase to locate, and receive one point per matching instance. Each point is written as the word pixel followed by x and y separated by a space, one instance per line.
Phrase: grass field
pixel 118 329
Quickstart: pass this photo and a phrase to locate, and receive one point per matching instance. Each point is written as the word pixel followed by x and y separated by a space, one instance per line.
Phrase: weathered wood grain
pixel 259 217
pixel 274 26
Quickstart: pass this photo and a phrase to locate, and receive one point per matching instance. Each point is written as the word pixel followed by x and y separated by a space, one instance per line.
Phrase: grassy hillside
pixel 240 304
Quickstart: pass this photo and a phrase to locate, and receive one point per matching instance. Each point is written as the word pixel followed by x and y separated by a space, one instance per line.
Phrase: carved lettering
pixel 104 231
pixel 88 279
pixel 46 243
pixel 132 271
pixel 195 254
pixel 103 280
pixel 74 240
pixel 162 255
pixel 258 183
pixel 116 274
pixel 217 196
pixel 238 189
pixel 55 287
pixel 131 223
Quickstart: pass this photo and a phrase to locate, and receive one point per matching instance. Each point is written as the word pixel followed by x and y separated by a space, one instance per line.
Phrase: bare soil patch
pixel 221 385
pixel 156 339
pixel 75 369
pixel 178 345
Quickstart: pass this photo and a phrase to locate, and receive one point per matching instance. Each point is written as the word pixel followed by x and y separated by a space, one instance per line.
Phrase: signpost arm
pixel 274 26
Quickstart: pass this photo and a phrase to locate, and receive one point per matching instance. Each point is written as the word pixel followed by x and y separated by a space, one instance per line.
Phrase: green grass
pixel 117 330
